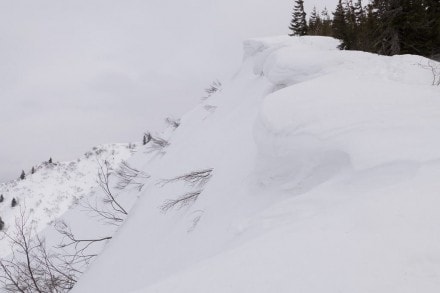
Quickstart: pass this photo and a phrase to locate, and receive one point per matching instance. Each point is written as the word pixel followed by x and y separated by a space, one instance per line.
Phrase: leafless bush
pixel 104 182
pixel 195 179
pixel 31 267
pixel 175 123
pixel 128 175
pixel 111 212
pixel 77 250
pixel 155 143
pixel 102 213
pixel 434 67
pixel 214 87
pixel 183 201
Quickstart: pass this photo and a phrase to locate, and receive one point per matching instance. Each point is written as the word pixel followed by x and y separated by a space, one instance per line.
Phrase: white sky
pixel 74 74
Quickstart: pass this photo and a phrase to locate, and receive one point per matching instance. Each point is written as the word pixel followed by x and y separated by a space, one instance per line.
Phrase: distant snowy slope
pixel 55 187
pixel 312 170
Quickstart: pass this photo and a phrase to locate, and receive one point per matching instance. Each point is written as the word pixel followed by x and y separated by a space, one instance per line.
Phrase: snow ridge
pixel 321 171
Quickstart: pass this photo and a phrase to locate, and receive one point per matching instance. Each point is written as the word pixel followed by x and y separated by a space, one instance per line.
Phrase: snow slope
pixel 55 188
pixel 325 179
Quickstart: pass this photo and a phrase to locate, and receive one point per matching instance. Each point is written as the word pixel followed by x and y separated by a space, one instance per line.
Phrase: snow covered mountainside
pixel 56 187
pixel 311 170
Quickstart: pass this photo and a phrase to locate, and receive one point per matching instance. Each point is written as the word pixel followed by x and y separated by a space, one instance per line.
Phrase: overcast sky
pixel 74 74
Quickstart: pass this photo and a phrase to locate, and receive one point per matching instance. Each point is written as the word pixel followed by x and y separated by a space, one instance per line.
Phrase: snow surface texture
pixel 54 188
pixel 325 179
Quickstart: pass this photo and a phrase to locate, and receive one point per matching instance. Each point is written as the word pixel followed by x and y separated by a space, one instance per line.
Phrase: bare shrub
pixel 183 201
pixel 111 212
pixel 104 182
pixel 77 249
pixel 214 87
pixel 31 267
pixel 128 175
pixel 195 178
pixel 155 143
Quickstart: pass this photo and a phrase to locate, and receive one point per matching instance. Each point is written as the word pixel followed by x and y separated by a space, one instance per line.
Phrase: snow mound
pixel 325 168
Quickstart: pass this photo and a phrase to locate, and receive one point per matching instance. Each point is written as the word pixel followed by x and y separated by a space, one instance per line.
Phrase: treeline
pixel 386 27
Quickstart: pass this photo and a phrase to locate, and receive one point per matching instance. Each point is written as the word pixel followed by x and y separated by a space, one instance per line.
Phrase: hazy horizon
pixel 78 74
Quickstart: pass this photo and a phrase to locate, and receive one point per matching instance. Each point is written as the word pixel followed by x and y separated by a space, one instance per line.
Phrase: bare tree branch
pixel 183 201
pixel 194 179
pixel 128 175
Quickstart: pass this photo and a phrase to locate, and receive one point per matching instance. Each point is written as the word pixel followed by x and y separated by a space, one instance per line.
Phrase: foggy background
pixel 74 74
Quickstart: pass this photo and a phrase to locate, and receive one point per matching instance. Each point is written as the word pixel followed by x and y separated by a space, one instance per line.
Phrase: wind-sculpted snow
pixel 323 177
pixel 55 187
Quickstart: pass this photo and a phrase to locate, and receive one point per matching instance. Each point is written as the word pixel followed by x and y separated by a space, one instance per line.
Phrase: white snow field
pixel 53 189
pixel 325 178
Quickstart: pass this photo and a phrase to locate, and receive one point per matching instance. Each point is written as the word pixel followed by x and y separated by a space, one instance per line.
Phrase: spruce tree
pixel 298 25
pixel 22 175
pixel 2 198
pixel 33 170
pixel 13 202
pixel 326 27
pixel 315 23
pixel 2 224
pixel 339 26
pixel 359 12
pixel 50 160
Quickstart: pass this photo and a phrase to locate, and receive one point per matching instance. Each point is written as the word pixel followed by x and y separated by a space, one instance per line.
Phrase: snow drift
pixel 325 168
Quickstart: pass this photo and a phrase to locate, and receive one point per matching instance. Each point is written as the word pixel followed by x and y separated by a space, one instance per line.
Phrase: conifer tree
pixel 13 202
pixel 22 175
pixel 2 224
pixel 339 26
pixel 315 23
pixel 359 12
pixel 50 160
pixel 298 25
pixel 33 170
pixel 326 27
pixel 2 198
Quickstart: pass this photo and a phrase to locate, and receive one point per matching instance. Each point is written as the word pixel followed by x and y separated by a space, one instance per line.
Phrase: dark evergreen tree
pixel 2 224
pixel 386 27
pixel 326 27
pixel 33 170
pixel 2 198
pixel 298 25
pixel 22 175
pixel 315 23
pixel 13 202
pixel 339 26
pixel 351 29
pixel 359 12
pixel 50 161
